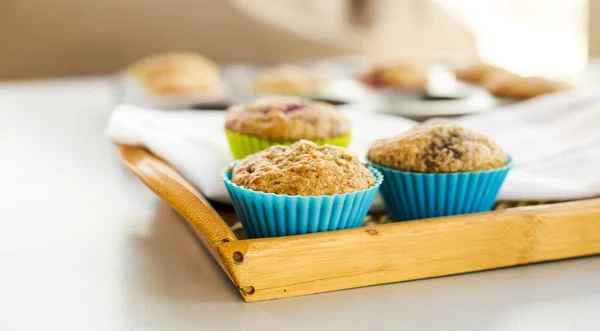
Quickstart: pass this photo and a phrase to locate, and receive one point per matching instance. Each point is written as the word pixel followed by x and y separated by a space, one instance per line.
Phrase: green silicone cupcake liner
pixel 243 145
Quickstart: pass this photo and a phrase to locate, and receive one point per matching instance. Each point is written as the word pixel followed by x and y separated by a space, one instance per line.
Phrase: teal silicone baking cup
pixel 272 215
pixel 413 195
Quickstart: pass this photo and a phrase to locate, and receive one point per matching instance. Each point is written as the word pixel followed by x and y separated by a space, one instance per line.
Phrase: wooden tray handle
pixel 178 193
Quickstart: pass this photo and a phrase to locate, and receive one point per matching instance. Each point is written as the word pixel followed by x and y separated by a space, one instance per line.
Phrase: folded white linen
pixel 554 141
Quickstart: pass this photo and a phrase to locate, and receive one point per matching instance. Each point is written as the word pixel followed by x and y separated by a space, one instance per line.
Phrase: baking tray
pixel 272 268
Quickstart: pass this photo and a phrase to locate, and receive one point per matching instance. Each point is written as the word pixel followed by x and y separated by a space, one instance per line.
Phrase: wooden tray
pixel 290 266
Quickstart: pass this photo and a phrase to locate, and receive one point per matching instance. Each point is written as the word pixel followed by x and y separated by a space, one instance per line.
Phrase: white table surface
pixel 85 246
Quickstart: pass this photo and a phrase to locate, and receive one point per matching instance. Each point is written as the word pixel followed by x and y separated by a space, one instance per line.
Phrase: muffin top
pixel 288 79
pixel 402 75
pixel 517 87
pixel 478 72
pixel 287 118
pixel 303 168
pixel 438 148
pixel 177 73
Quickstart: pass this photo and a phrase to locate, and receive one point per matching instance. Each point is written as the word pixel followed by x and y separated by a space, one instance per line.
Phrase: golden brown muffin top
pixel 287 118
pixel 303 168
pixel 177 73
pixel 478 72
pixel 516 87
pixel 288 79
pixel 438 148
pixel 401 75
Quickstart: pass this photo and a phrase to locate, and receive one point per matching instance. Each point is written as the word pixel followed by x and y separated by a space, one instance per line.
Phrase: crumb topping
pixel 287 118
pixel 303 168
pixel 438 148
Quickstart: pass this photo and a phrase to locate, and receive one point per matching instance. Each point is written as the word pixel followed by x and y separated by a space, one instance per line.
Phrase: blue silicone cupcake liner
pixel 272 215
pixel 413 195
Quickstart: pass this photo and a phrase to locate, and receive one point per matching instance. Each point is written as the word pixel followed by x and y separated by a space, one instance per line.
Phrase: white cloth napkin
pixel 554 141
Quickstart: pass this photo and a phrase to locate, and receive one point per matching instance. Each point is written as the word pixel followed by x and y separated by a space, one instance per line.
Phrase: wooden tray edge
pixel 181 196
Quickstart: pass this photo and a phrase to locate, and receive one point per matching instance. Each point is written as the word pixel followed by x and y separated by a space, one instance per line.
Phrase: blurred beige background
pixel 43 38
pixel 594 28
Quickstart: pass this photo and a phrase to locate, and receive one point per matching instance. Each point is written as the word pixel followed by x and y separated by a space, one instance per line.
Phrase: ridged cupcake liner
pixel 243 145
pixel 272 215
pixel 412 195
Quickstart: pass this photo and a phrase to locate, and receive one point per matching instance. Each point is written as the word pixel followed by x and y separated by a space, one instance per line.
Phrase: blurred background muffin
pixel 513 86
pixel 399 76
pixel 478 73
pixel 502 83
pixel 177 73
pixel 288 79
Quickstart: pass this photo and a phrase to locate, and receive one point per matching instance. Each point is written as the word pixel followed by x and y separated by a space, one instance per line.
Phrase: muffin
pixel 436 148
pixel 282 120
pixel 399 76
pixel 288 79
pixel 478 73
pixel 302 188
pixel 516 87
pixel 439 169
pixel 504 84
pixel 177 74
